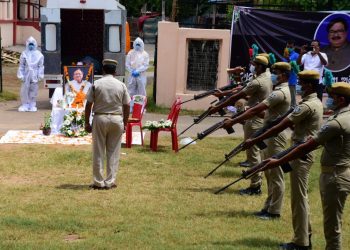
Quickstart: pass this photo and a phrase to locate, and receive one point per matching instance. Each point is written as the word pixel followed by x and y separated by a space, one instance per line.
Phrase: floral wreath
pixel 153 125
pixel 74 124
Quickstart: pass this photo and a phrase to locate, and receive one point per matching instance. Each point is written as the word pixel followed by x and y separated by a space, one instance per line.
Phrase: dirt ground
pixel 10 118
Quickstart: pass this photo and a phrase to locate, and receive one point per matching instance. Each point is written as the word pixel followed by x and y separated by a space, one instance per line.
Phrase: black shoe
pixel 293 246
pixel 261 212
pixel 95 187
pixel 269 216
pixel 111 187
pixel 244 164
pixel 310 244
pixel 250 191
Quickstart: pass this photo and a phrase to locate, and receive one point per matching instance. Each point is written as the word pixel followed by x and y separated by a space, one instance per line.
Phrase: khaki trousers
pixel 107 131
pixel 275 176
pixel 334 188
pixel 253 153
pixel 299 183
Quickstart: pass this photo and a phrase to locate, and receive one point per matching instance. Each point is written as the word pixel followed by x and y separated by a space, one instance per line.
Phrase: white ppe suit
pixel 30 71
pixel 137 62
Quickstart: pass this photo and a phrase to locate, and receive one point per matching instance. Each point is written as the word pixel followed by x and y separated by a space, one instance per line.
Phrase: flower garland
pixel 79 96
pixel 153 125
pixel 74 124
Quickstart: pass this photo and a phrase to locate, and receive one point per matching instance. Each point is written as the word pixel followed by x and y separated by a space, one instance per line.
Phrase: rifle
pixel 211 92
pixel 206 113
pixel 260 144
pixel 246 174
pixel 210 130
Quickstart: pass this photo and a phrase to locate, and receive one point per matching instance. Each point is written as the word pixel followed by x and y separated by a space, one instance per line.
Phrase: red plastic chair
pixel 140 102
pixel 173 116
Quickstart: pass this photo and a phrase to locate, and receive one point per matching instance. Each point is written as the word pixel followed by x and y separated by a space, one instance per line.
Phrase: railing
pixel 35 8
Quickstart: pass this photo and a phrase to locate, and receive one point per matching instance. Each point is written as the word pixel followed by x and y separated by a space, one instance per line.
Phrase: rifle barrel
pixel 211 172
pixel 234 152
pixel 228 185
pixel 187 101
pixel 186 129
pixel 184 146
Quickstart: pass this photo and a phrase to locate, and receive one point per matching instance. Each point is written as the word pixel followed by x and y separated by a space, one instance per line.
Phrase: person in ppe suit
pixel 137 62
pixel 30 71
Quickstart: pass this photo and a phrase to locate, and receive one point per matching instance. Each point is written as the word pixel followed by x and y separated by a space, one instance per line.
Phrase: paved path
pixel 10 118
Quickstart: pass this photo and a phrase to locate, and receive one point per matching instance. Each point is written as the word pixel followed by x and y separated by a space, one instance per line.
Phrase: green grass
pixel 7 96
pixel 162 201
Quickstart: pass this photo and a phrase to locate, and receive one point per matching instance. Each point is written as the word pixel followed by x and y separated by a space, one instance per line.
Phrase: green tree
pixel 133 7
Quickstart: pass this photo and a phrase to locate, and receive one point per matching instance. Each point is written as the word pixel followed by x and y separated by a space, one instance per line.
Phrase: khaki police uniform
pixel 108 97
pixel 334 135
pixel 257 90
pixel 307 119
pixel 278 103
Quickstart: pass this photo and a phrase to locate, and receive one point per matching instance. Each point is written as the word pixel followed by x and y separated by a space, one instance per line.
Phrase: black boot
pixel 293 246
pixel 250 191
pixel 244 164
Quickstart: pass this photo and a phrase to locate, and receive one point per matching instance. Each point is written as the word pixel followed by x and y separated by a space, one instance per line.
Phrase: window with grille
pixel 203 60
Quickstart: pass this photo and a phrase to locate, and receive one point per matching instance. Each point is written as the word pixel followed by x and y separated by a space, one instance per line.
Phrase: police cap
pixel 109 62
pixel 283 66
pixel 340 88
pixel 309 75
pixel 261 60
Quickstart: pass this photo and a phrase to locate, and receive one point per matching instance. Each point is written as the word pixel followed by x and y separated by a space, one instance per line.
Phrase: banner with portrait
pixel 271 30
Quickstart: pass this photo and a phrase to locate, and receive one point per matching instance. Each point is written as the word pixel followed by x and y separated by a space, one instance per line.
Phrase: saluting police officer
pixel 109 100
pixel 277 104
pixel 305 120
pixel 334 135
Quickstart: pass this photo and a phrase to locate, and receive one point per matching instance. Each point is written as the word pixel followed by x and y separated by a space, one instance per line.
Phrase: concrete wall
pixel 6 15
pixel 6 24
pixel 23 32
pixel 6 34
pixel 172 60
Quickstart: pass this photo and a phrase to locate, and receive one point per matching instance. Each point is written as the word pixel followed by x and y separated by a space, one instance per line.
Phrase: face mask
pixel 302 91
pixel 252 68
pixel 137 47
pixel 274 79
pixel 31 47
pixel 330 104
pixel 290 50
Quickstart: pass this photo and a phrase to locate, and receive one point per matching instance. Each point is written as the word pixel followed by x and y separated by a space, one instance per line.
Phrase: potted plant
pixel 46 127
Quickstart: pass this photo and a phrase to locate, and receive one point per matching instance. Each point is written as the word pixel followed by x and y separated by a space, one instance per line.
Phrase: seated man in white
pixel 57 113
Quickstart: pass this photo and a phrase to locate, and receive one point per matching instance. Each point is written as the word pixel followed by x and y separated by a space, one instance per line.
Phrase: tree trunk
pixel 174 11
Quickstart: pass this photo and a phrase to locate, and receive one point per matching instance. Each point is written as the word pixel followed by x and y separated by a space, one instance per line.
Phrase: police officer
pixel 276 104
pixel 306 120
pixel 334 135
pixel 257 90
pixel 109 100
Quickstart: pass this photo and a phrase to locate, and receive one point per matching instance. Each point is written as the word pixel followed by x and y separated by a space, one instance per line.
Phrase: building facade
pixel 20 19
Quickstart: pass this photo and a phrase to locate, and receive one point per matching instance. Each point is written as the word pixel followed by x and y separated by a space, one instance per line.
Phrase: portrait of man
pixel 338 50
pixel 78 83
